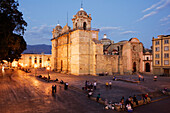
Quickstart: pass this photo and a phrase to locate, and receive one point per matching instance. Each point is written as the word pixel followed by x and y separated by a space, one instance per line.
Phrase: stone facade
pixel 73 51
pixel 78 51
pixel 130 55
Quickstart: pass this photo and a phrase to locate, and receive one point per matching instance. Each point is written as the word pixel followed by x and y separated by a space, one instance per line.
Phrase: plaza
pixel 119 88
pixel 29 93
pixel 103 59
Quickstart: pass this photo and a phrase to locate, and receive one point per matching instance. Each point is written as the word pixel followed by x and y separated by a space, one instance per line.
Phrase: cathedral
pixel 79 51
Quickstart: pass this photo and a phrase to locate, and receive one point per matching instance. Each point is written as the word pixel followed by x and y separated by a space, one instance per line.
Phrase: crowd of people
pixel 131 101
pixel 90 87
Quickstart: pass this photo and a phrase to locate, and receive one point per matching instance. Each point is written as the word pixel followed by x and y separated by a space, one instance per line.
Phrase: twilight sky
pixel 119 19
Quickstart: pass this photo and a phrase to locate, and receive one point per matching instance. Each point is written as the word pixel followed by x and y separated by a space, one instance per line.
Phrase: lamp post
pixel 26 67
pixel 35 66
pixel 48 69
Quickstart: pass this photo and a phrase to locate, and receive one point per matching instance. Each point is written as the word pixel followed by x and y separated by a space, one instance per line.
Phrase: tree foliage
pixel 12 27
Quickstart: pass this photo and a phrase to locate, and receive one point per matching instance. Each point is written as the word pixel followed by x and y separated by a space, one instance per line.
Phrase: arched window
pixel 48 59
pixel 84 25
pixel 40 60
pixel 118 48
pixel 35 59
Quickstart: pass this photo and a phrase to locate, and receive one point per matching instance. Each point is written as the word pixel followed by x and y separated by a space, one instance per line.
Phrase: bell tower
pixel 82 20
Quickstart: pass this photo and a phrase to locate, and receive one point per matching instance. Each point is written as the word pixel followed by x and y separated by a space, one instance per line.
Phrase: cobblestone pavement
pixel 24 93
pixel 119 88
pixel 156 107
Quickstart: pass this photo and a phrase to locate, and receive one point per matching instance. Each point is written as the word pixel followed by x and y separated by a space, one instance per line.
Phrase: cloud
pixel 110 28
pixel 165 18
pixel 38 35
pixel 147 15
pixel 128 32
pixel 156 9
pixel 110 31
pixel 165 23
pixel 153 6
pixel 166 3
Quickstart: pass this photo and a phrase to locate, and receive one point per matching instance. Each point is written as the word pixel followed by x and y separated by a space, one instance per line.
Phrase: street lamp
pixel 48 69
pixel 26 67
pixel 35 66
pixel 21 66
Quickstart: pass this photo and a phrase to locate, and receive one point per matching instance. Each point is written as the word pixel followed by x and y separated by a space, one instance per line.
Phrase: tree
pixel 12 27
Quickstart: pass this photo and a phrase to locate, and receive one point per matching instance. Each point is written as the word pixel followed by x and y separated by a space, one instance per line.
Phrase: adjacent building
pixel 130 55
pixel 161 51
pixel 33 61
pixel 147 60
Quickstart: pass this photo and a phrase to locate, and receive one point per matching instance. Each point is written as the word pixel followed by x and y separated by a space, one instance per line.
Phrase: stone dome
pixel 58 27
pixel 66 28
pixel 81 12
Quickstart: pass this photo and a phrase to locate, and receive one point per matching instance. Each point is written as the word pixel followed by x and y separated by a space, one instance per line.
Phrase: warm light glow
pixel 21 64
pixel 5 61
pixel 35 66
pixel 48 68
pixel 25 65
pixel 14 64
pixel 35 82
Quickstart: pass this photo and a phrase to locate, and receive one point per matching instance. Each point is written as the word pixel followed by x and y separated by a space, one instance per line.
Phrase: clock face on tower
pixel 94 35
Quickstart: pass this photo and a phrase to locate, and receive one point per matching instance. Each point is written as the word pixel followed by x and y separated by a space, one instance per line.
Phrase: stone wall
pixel 107 63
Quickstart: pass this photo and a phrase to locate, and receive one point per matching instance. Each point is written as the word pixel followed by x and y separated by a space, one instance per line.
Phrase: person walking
pixel 110 84
pixel 86 83
pixel 48 78
pixel 139 76
pixel 107 84
pixel 55 88
pixel 66 86
pixel 52 88
pixel 98 97
pixel 94 84
pixel 155 78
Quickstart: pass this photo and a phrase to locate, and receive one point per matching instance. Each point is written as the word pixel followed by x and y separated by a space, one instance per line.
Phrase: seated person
pixel 56 79
pixel 114 78
pixel 90 94
pixel 129 108
pixel 61 82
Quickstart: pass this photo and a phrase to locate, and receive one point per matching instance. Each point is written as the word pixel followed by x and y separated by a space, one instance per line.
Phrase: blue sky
pixel 119 19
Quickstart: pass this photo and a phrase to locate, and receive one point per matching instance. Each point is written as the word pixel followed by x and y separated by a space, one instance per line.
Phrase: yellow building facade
pixel 161 51
pixel 33 60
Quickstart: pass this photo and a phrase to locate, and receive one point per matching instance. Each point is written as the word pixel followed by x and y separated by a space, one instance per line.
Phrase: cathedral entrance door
pixel 61 65
pixel 166 71
pixel 134 67
pixel 147 66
